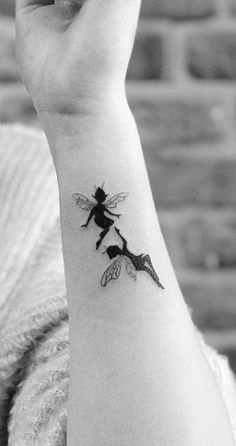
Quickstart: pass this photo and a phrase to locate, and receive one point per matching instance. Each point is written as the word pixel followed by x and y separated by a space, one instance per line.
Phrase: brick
pixel 211 296
pixel 184 179
pixel 8 68
pixel 177 119
pixel 212 54
pixel 178 9
pixel 210 242
pixel 200 238
pixel 7 7
pixel 16 105
pixel 232 6
pixel 147 57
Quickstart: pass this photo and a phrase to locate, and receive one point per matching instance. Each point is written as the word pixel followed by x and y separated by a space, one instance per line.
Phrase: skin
pixel 138 375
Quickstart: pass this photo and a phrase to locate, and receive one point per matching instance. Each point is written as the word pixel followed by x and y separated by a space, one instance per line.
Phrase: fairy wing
pixel 83 202
pixel 130 268
pixel 112 272
pixel 113 201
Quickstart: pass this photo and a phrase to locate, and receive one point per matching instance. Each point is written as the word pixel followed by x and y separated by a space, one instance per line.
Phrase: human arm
pixel 138 374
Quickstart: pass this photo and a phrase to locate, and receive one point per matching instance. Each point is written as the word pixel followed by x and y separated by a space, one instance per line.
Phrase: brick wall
pixel 181 87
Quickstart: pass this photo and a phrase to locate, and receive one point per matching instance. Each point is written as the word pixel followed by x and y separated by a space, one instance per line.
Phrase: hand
pixel 84 226
pixel 74 54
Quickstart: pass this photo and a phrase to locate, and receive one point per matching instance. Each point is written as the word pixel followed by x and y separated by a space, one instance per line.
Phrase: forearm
pixel 105 147
pixel 138 375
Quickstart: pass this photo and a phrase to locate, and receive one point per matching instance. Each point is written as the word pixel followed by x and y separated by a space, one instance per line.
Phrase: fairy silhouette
pixel 97 209
pixel 132 263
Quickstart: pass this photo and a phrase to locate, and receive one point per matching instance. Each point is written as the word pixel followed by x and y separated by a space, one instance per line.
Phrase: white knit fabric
pixel 34 331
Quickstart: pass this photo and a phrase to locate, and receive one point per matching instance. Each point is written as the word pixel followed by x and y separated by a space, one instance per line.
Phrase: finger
pixel 69 6
pixel 22 4
pixel 69 3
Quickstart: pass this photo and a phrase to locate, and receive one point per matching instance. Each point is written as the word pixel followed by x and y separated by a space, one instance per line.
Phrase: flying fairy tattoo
pixel 131 262
pixel 123 256
pixel 97 209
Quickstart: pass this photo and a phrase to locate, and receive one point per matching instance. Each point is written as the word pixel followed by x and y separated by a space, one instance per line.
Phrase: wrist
pixel 69 134
pixel 65 122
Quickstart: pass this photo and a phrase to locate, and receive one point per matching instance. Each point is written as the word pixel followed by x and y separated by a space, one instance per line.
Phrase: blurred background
pixel 181 88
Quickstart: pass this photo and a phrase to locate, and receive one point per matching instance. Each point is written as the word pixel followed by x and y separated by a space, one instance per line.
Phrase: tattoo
pixel 124 256
pixel 98 209
pixel 132 263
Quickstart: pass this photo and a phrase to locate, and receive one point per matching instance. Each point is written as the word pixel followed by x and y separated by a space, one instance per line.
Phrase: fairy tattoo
pixel 97 209
pixel 131 262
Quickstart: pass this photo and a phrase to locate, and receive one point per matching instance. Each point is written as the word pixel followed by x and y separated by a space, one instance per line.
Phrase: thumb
pixel 114 24
pixel 116 12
